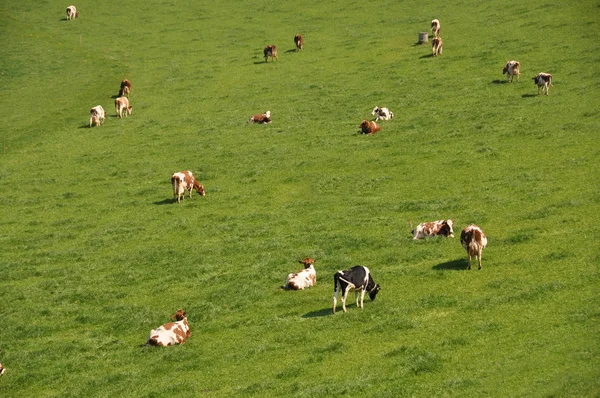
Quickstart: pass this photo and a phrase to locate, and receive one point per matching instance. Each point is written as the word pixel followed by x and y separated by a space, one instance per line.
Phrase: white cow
pixel 97 115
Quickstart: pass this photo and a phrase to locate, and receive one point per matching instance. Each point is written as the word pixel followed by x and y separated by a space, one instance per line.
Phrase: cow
pixel 263 118
pixel 382 113
pixel 435 27
pixel 357 278
pixel 270 51
pixel 97 115
pixel 437 46
pixel 185 180
pixel 433 228
pixel 304 278
pixel 72 13
pixel 473 240
pixel 125 88
pixel 2 369
pixel 370 128
pixel 543 80
pixel 511 69
pixel 299 40
pixel 171 333
pixel 122 107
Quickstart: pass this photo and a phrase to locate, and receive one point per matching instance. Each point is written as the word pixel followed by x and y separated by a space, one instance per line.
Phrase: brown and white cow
pixel 303 278
pixel 299 40
pixel 433 228
pixel 97 115
pixel 435 27
pixel 122 107
pixel 171 333
pixel 368 127
pixel 262 118
pixel 125 88
pixel 72 13
pixel 185 181
pixel 437 46
pixel 270 51
pixel 473 240
pixel 511 69
pixel 543 80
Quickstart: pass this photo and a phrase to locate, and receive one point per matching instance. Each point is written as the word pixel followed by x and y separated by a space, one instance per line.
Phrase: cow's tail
pixel 336 281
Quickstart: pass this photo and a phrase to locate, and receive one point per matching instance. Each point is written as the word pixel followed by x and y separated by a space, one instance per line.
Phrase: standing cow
pixel 357 278
pixel 185 181
pixel 437 46
pixel 122 107
pixel 511 69
pixel 473 240
pixel 299 41
pixel 97 115
pixel 72 13
pixel 270 51
pixel 543 80
pixel 125 88
pixel 435 27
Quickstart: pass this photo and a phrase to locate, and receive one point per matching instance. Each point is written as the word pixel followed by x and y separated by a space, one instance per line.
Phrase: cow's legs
pixel 344 297
pixel 469 262
pixel 362 298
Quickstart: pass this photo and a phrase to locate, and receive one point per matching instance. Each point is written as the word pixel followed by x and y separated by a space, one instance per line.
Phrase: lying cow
pixel 543 80
pixel 370 128
pixel 473 240
pixel 97 115
pixel 171 333
pixel 270 51
pixel 434 228
pixel 299 41
pixel 185 181
pixel 125 88
pixel 304 278
pixel 437 46
pixel 72 13
pixel 357 278
pixel 511 69
pixel 382 113
pixel 122 107
pixel 435 27
pixel 262 118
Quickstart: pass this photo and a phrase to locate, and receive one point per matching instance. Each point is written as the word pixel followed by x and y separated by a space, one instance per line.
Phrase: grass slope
pixel 95 253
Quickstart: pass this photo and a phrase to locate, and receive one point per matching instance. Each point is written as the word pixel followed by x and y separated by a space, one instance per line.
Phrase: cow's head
pixel 179 315
pixel 376 111
pixel 373 292
pixel 200 189
pixel 307 262
pixel 446 228
pixel 268 114
pixel 364 124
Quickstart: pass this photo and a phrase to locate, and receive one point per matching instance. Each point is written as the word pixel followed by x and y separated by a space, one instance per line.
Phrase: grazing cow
pixel 426 229
pixel 357 278
pixel 171 333
pixel 437 46
pixel 370 128
pixel 543 80
pixel 125 88
pixel 122 106
pixel 72 13
pixel 2 369
pixel 511 69
pixel 435 27
pixel 263 118
pixel 382 113
pixel 304 278
pixel 185 180
pixel 97 115
pixel 299 40
pixel 473 240
pixel 270 51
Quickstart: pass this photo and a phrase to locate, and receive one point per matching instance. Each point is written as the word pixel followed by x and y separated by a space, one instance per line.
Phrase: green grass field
pixel 95 253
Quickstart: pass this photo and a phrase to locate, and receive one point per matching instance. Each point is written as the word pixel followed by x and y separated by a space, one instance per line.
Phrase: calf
pixel 72 13
pixel 435 27
pixel 171 333
pixel 97 115
pixel 434 228
pixel 473 240
pixel 122 106
pixel 511 69
pixel 304 278
pixel 125 88
pixel 185 180
pixel 382 113
pixel 357 278
pixel 270 51
pixel 370 128
pixel 437 46
pixel 543 80
pixel 263 118
pixel 299 40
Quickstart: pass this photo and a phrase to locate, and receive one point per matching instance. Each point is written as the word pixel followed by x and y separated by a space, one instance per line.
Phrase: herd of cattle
pixel 358 278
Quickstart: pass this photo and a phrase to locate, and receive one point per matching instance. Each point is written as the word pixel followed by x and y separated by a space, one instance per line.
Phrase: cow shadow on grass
pixel 318 314
pixel 528 95
pixel 168 201
pixel 454 265
pixel 63 19
pixel 499 81
pixel 426 56
pixel 293 50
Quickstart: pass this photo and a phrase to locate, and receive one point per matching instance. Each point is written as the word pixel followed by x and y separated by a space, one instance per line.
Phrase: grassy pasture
pixel 95 253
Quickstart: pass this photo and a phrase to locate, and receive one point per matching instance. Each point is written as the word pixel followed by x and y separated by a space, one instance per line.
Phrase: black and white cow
pixel 382 113
pixel 543 80
pixel 357 278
